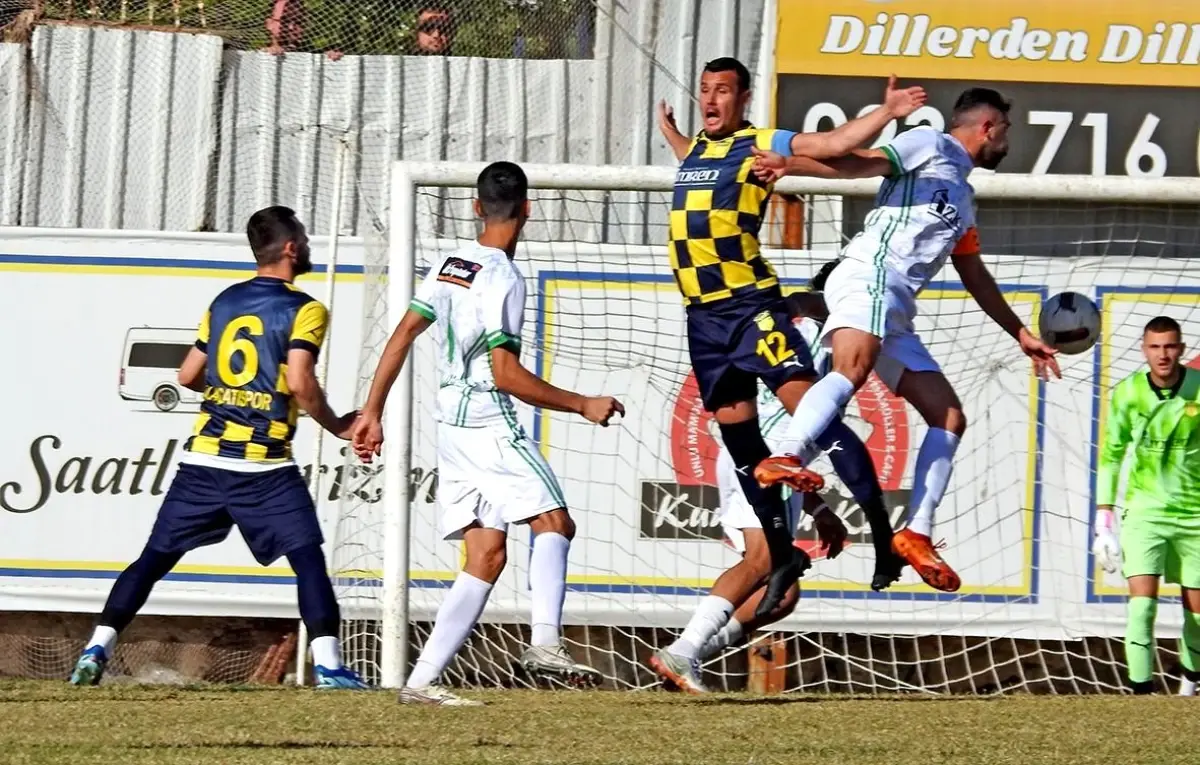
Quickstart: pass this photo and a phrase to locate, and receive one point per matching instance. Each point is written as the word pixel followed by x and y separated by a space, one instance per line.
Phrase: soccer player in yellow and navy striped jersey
pixel 739 330
pixel 249 412
pixel 254 361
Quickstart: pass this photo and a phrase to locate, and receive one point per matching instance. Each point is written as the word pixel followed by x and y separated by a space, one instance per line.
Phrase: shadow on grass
pixel 784 700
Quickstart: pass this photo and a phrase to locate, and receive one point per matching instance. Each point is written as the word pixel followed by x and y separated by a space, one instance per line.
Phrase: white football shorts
pixel 492 476
pixel 872 299
pixel 735 512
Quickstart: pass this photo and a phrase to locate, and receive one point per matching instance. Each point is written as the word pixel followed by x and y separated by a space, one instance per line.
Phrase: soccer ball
pixel 1069 322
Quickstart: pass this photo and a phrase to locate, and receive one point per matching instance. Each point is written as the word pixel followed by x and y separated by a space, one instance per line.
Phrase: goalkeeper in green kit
pixel 1157 412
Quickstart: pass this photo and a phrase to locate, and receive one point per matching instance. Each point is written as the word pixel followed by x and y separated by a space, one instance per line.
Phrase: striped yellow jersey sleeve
pixel 202 332
pixel 309 327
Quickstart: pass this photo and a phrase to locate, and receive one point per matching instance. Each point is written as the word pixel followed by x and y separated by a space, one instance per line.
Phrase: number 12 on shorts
pixel 773 347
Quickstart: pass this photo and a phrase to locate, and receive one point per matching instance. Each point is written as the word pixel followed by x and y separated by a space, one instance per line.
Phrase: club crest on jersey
pixel 765 321
pixel 459 271
pixel 1191 409
pixel 943 210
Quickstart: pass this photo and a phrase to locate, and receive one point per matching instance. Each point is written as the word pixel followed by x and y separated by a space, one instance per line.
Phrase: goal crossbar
pixel 1080 188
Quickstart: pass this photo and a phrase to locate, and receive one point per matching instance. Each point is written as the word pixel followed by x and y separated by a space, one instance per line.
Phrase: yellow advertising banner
pixel 1099 42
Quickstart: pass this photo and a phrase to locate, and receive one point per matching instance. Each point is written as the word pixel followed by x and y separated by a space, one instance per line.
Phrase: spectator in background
pixel 434 31
pixel 432 34
pixel 286 27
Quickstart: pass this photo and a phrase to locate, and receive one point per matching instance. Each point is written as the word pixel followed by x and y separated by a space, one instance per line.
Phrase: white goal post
pixel 604 317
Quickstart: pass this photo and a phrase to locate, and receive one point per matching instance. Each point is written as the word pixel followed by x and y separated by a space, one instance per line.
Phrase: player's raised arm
pixel 897 103
pixel 308 334
pixel 978 281
pixel 907 152
pixel 504 304
pixel 771 166
pixel 678 142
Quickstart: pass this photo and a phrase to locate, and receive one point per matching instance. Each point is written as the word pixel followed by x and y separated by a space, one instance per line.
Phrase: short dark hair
pixel 1162 324
pixel 502 190
pixel 269 230
pixel 972 99
pixel 730 64
pixel 817 282
pixel 806 305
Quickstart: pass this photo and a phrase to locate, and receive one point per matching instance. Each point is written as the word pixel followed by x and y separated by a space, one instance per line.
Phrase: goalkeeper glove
pixel 1105 546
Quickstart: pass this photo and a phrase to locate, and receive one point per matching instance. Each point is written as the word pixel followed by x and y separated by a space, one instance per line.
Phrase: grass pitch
pixel 53 723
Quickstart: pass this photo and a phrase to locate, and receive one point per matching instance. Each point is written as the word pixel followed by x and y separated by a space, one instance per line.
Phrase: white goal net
pixel 604 316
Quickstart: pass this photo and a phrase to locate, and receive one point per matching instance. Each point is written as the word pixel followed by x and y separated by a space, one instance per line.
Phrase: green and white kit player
pixel 1157 413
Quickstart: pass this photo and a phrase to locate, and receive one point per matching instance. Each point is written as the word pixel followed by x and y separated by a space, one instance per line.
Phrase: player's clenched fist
pixel 831 531
pixel 600 409
pixel 768 166
pixel 367 436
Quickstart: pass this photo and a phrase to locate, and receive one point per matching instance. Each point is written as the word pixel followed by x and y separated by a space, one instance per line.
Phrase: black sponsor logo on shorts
pixel 459 271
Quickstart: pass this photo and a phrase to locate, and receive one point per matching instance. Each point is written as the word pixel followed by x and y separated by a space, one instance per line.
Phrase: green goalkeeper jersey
pixel 1163 427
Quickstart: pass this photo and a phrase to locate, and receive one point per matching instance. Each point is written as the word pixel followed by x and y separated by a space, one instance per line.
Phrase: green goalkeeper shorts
pixel 1162 545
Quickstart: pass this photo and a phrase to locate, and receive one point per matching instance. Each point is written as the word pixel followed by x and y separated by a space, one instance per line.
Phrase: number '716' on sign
pixel 1092 140
pixel 1144 159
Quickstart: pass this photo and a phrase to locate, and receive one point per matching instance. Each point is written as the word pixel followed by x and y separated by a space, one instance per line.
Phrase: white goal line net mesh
pixel 603 315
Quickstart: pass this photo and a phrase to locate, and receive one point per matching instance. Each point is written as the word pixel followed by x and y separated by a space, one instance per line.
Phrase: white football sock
pixel 819 407
pixel 106 638
pixel 1187 687
pixel 327 652
pixel 455 619
pixel 548 586
pixel 711 615
pixel 935 462
pixel 729 634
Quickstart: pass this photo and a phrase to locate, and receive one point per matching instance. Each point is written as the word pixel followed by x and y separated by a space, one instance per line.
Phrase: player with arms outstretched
pixel 1155 414
pixel 254 360
pixel 738 327
pixel 924 213
pixel 679 663
pixel 490 474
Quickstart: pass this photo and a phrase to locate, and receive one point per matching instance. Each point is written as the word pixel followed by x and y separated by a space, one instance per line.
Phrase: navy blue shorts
pixel 735 343
pixel 273 510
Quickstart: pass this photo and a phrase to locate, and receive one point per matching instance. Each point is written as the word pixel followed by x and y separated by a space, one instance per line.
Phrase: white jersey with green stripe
pixel 476 299
pixel 921 211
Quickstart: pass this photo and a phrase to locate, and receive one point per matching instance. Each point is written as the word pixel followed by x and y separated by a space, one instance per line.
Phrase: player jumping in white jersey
pixel 717 623
pixel 490 474
pixel 924 213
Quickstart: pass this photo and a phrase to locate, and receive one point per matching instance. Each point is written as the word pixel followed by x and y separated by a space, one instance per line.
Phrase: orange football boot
pixel 789 472
pixel 920 553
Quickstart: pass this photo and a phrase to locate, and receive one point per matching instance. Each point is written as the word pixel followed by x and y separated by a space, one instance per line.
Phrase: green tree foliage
pixel 489 28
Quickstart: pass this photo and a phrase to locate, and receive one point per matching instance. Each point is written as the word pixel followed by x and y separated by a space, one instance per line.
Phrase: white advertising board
pixel 91 317
pixel 96 321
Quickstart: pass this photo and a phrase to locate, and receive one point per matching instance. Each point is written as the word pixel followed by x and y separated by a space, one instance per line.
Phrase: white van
pixel 149 363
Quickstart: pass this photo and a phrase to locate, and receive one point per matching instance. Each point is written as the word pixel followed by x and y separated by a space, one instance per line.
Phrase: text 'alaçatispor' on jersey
pixel 476 299
pixel 248 411
pixel 716 214
pixel 1160 430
